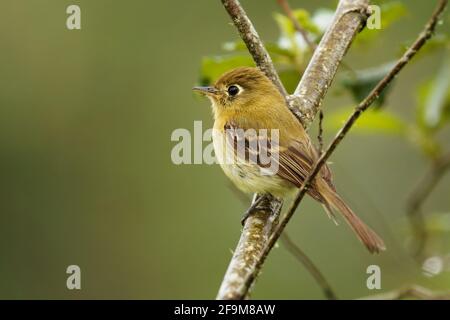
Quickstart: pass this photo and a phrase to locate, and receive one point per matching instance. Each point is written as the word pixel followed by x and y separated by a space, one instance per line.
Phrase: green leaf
pixel 370 122
pixel 290 39
pixel 363 81
pixel 213 67
pixel 284 24
pixel 306 22
pixel 434 100
pixel 287 27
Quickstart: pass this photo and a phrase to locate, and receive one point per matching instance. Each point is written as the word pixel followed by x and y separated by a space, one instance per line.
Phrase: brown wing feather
pixel 296 165
pixel 293 164
pixel 254 145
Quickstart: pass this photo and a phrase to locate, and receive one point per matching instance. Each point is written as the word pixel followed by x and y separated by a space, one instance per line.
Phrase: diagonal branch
pixel 291 247
pixel 347 22
pixel 425 35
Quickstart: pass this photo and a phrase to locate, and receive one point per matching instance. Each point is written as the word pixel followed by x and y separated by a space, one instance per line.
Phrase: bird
pixel 245 102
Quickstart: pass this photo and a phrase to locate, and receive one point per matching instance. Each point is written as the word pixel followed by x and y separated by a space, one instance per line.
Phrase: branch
pixel 304 33
pixel 259 226
pixel 254 237
pixel 320 134
pixel 419 195
pixel 322 66
pixel 373 95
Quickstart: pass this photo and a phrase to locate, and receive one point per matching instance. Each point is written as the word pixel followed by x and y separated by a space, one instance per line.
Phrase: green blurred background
pixel 86 174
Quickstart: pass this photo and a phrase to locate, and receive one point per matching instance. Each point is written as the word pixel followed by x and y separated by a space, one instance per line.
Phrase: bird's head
pixel 242 89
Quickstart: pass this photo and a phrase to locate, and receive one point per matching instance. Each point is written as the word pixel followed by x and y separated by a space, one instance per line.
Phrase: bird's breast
pixel 248 176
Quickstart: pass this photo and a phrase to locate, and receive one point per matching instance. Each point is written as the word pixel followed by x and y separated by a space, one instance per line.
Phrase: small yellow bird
pixel 245 102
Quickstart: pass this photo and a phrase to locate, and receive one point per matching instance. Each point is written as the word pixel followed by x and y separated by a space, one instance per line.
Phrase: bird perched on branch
pixel 264 149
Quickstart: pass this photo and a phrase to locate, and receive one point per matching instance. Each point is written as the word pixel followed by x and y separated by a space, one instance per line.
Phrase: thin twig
pixel 373 95
pixel 347 22
pixel 419 195
pixel 290 14
pixel 320 135
pixel 309 265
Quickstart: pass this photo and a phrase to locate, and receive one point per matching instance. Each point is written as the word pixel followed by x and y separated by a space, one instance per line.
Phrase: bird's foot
pixel 257 200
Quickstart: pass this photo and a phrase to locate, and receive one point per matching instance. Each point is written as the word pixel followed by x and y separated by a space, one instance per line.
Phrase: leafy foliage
pixel 291 54
pixel 361 82
pixel 288 31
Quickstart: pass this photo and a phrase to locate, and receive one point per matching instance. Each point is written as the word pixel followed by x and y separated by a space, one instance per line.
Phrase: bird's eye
pixel 233 90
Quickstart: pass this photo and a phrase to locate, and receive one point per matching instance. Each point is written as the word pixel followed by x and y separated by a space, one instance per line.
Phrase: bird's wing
pixel 250 145
pixel 293 162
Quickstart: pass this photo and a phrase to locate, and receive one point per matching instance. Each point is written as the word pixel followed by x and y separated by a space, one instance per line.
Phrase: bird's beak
pixel 206 90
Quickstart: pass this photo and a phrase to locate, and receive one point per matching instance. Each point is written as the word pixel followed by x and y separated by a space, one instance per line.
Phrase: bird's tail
pixel 367 236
